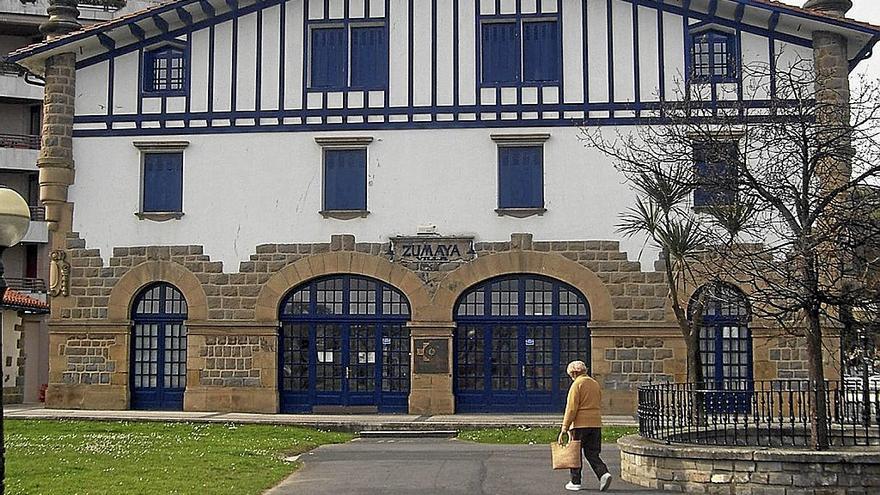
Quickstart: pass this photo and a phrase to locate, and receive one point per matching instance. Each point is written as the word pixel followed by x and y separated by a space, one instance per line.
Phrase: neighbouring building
pixel 21 101
pixel 380 205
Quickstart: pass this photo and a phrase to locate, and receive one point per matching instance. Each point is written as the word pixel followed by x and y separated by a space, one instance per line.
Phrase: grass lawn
pixel 532 436
pixel 90 457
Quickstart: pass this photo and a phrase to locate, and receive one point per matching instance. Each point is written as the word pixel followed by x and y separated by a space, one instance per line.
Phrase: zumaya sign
pixel 432 249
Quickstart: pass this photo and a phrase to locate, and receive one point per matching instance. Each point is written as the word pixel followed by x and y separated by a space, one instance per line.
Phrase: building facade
pixel 382 205
pixel 21 101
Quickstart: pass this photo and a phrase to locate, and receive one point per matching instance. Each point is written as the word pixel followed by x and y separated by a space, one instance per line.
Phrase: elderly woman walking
pixel 583 418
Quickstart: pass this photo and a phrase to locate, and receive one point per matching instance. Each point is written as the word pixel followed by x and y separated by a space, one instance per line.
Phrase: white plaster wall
pixel 241 190
pixel 91 89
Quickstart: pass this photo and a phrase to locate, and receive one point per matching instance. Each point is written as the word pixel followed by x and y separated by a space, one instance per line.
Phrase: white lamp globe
pixel 15 217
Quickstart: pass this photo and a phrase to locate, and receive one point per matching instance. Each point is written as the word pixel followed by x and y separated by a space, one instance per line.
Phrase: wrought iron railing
pixel 10 69
pixel 37 285
pixel 21 141
pixel 773 413
pixel 38 213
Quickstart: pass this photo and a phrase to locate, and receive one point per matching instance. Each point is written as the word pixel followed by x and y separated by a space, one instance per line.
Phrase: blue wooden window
pixel 369 57
pixel 345 179
pixel 328 58
pixel 163 182
pixel 716 174
pixel 540 51
pixel 521 177
pixel 520 51
pixel 500 57
pixel 714 57
pixel 164 71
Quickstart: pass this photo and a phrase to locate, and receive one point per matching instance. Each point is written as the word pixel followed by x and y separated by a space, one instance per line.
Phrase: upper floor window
pixel 345 176
pixel 161 179
pixel 520 51
pixel 348 57
pixel 714 57
pixel 165 70
pixel 716 174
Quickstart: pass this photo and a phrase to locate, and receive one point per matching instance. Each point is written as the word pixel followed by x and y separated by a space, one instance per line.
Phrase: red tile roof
pixel 17 300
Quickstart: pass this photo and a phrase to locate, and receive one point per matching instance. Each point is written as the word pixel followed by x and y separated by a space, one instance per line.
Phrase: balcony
pixel 19 152
pixel 14 86
pixel 27 285
pixel 38 231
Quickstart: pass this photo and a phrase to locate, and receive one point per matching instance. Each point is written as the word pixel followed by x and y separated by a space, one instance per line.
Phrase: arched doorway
pixel 344 343
pixel 514 337
pixel 725 345
pixel 158 348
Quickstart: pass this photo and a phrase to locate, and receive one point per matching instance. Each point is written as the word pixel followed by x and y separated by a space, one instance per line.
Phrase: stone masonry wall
pixel 747 470
pixel 790 356
pixel 636 295
pixel 635 361
pixel 88 359
pixel 229 361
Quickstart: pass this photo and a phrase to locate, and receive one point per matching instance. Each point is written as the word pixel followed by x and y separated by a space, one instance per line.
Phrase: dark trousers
pixel 591 443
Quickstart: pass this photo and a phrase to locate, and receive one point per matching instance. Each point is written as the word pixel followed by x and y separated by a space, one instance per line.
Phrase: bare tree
pixel 768 195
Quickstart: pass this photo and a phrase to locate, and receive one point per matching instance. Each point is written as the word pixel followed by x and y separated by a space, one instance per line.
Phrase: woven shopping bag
pixel 568 455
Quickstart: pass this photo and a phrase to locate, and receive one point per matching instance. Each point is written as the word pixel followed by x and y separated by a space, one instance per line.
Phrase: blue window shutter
pixel 369 58
pixel 163 182
pixel 716 175
pixel 500 53
pixel 328 58
pixel 345 179
pixel 541 51
pixel 521 177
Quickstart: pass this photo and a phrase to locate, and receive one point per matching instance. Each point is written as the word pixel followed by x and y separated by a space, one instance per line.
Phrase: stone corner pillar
pixel 56 147
pixel 431 367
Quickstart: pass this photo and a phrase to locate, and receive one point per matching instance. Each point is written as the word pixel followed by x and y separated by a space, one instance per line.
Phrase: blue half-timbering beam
pixel 864 53
pixel 184 16
pixel 713 7
pixel 160 23
pixel 106 41
pixel 233 4
pixel 207 8
pixel 137 31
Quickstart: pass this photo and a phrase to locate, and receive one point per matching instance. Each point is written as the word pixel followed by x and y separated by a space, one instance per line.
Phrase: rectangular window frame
pixel 536 140
pixel 160 147
pixel 344 144
pixel 348 26
pixel 732 65
pixel 520 20
pixel 146 73
pixel 703 157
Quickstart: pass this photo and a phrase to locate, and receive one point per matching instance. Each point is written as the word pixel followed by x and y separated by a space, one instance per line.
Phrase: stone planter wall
pixel 748 470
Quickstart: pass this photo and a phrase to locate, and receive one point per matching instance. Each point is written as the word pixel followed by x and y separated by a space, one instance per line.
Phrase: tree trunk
pixel 818 402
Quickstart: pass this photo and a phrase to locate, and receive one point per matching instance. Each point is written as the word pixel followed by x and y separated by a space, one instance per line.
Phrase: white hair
pixel 577 368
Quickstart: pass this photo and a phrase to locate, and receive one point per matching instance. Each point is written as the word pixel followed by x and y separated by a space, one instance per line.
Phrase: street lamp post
pixel 15 217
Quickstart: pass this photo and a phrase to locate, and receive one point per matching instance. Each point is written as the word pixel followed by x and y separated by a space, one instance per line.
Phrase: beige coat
pixel 584 406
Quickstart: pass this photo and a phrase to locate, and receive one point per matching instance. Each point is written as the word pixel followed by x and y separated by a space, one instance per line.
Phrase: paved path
pixel 437 467
pixel 348 422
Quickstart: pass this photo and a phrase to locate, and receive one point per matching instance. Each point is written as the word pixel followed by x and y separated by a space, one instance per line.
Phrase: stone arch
pixel 123 293
pixel 511 262
pixel 347 262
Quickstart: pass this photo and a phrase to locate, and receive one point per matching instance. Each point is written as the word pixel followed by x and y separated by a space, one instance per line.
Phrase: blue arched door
pixel 725 346
pixel 344 343
pixel 514 337
pixel 158 348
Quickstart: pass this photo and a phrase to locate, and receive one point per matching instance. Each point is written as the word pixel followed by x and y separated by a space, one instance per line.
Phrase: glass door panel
pixel 329 366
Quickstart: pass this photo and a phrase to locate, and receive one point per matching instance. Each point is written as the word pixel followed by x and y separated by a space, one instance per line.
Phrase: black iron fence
pixel 38 213
pixel 774 413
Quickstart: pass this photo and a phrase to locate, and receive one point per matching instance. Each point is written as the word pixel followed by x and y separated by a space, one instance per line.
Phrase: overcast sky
pixel 863 10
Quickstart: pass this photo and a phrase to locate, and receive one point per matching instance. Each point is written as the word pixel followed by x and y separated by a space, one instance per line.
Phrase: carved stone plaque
pixel 431 356
pixel 430 252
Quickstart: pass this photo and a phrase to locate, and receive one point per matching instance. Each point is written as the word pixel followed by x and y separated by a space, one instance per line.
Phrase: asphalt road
pixel 438 466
